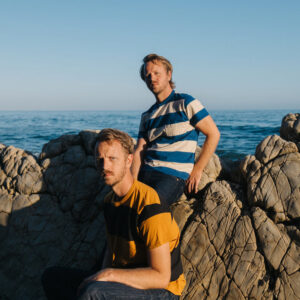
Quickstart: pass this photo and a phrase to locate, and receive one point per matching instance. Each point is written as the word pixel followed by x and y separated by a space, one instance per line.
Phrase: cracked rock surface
pixel 240 236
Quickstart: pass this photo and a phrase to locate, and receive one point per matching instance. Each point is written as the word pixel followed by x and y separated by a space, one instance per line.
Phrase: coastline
pixel 241 229
pixel 241 131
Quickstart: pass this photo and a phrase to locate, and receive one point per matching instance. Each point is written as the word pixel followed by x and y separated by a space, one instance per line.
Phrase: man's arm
pixel 156 276
pixel 208 127
pixel 138 157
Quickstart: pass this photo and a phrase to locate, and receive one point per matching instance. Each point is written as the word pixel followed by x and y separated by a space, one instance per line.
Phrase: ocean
pixel 241 131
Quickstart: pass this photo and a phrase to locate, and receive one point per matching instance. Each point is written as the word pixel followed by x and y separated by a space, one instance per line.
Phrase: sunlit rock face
pixel 239 235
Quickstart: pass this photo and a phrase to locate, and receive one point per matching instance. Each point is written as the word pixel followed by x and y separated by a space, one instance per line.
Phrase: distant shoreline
pixel 241 131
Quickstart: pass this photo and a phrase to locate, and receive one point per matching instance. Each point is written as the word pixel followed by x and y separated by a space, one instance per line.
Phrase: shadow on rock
pixel 50 213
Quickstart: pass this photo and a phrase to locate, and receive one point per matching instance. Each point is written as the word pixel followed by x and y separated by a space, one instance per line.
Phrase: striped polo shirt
pixel 137 222
pixel 169 130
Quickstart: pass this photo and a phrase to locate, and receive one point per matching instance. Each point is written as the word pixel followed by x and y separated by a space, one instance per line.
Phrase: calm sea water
pixel 241 131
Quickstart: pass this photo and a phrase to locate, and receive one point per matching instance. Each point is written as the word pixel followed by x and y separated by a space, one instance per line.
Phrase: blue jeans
pixel 61 283
pixel 99 290
pixel 168 187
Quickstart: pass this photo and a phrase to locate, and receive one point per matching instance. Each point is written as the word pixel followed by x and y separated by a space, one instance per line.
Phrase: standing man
pixel 142 259
pixel 168 135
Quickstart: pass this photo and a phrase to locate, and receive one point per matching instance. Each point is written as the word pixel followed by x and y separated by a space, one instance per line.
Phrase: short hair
pixel 111 134
pixel 157 58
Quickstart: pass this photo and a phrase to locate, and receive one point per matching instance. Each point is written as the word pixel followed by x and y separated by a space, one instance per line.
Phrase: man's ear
pixel 169 75
pixel 129 159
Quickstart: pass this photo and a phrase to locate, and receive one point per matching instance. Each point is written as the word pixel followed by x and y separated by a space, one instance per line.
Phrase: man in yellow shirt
pixel 142 260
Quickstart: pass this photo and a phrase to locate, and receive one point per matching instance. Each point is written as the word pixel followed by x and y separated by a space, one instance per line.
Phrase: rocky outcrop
pixel 273 178
pixel 290 128
pixel 50 213
pixel 219 250
pixel 240 233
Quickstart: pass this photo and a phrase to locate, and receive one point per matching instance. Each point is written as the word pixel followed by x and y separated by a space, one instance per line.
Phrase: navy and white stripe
pixel 169 130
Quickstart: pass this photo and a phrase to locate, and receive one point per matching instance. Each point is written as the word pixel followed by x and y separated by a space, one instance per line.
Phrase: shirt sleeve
pixel 157 226
pixel 195 111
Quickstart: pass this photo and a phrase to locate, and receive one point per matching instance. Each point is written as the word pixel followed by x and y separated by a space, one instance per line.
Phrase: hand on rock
pixel 193 181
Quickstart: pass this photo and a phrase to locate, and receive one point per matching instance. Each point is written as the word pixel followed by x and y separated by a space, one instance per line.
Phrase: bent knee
pixel 98 290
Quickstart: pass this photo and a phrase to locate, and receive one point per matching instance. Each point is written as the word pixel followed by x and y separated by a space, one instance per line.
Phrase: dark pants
pixel 168 187
pixel 62 284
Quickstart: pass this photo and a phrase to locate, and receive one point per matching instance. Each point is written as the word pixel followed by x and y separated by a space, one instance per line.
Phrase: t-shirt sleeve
pixel 157 226
pixel 195 111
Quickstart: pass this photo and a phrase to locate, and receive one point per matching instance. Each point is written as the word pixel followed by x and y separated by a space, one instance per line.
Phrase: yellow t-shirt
pixel 137 222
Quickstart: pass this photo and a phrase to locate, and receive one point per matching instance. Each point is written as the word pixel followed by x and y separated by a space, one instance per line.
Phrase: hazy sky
pixel 85 55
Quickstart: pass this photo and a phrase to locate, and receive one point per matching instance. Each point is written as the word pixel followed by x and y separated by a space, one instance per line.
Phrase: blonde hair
pixel 110 134
pixel 157 58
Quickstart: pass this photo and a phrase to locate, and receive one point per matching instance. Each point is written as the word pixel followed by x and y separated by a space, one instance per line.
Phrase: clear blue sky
pixel 85 55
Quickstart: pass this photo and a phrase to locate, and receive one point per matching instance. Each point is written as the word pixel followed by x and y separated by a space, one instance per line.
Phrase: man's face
pixel 112 161
pixel 156 77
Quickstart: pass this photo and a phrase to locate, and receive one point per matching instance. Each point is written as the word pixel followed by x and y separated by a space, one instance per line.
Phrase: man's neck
pixel 163 95
pixel 123 187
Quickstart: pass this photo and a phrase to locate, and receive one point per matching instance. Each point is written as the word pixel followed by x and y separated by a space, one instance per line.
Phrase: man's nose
pixel 105 164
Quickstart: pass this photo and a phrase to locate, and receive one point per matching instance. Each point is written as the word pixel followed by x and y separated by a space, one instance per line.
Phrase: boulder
pixel 240 234
pixel 290 128
pixel 220 256
pixel 20 172
pixel 50 213
pixel 273 178
pixel 273 192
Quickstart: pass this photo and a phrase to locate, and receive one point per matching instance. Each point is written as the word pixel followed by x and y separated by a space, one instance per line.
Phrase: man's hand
pixel 193 181
pixel 103 275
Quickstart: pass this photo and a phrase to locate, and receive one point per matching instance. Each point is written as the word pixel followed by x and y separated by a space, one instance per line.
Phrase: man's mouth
pixel 107 174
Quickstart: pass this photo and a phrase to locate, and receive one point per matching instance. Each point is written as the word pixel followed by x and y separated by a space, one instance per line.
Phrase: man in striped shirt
pixel 168 135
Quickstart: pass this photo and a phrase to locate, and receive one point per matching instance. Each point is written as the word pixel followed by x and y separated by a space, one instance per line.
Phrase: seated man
pixel 168 135
pixel 142 259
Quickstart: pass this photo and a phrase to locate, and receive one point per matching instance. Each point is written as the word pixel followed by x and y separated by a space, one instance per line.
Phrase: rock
pixel 220 256
pixel 281 253
pixel 182 211
pixel 211 171
pixel 20 172
pixel 273 178
pixel 274 243
pixel 88 138
pixel 49 214
pixel 240 234
pixel 290 128
pixel 231 171
pixel 59 145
